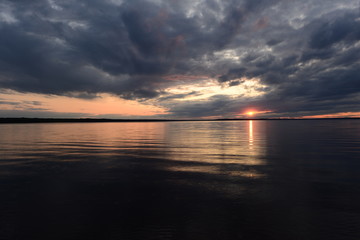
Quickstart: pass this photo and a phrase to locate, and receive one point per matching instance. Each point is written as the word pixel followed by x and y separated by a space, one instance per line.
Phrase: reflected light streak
pixel 251 134
pixel 230 150
pixel 213 144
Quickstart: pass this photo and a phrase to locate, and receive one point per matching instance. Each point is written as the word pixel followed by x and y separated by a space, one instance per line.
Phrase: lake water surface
pixel 295 179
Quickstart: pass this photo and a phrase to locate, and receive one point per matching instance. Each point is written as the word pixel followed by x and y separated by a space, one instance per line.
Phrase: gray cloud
pixel 8 103
pixel 36 113
pixel 23 105
pixel 306 53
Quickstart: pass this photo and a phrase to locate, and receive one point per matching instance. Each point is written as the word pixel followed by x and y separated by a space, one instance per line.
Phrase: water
pixel 181 180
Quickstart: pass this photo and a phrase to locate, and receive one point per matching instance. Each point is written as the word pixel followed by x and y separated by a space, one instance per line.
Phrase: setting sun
pixel 250 113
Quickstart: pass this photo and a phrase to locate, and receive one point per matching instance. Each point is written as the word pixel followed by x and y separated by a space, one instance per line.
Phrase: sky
pixel 179 59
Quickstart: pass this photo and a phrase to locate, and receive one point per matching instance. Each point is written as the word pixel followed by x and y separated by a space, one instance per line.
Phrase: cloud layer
pixel 304 54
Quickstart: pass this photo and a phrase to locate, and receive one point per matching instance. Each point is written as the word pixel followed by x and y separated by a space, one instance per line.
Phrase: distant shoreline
pixel 96 120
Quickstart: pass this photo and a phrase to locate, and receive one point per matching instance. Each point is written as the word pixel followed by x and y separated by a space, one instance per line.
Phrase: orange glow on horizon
pixel 105 104
pixel 336 115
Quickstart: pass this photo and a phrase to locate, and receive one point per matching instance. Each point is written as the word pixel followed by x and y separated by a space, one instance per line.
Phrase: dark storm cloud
pixel 344 28
pixel 305 52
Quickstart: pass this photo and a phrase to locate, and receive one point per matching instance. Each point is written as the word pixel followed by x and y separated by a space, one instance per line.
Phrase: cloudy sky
pixel 179 58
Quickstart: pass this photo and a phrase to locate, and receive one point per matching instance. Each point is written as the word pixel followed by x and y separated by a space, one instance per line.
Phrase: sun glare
pixel 250 113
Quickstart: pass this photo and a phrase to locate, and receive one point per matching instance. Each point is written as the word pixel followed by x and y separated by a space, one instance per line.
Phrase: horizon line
pixel 84 120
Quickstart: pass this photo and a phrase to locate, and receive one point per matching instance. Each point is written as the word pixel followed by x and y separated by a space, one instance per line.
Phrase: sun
pixel 250 113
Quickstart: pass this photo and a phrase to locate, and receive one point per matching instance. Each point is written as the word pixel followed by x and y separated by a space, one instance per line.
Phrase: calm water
pixel 181 180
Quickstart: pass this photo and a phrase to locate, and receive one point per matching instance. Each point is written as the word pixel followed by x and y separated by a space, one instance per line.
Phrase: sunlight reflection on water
pixel 211 147
pixel 194 147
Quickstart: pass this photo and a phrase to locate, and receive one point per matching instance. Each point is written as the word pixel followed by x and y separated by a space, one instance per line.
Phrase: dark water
pixel 181 180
